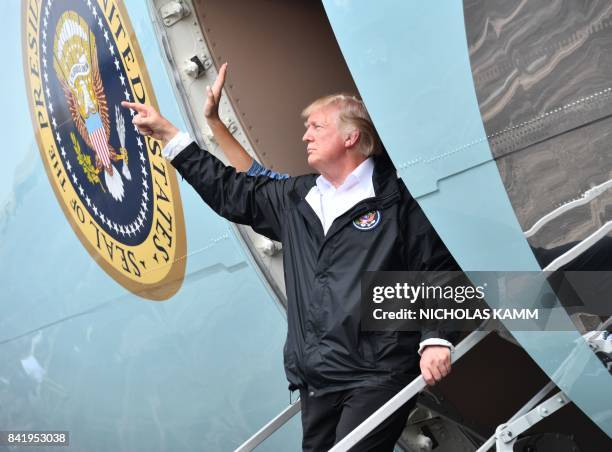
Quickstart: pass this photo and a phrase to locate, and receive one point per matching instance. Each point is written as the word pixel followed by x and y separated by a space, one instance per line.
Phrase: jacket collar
pixel 384 179
pixel 360 177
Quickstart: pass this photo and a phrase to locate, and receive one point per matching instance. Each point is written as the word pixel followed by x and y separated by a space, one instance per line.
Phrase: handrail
pixel 374 420
pixel 416 385
pixel 270 427
pixel 524 410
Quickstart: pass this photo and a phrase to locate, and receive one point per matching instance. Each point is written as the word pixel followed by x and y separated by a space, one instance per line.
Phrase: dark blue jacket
pixel 325 349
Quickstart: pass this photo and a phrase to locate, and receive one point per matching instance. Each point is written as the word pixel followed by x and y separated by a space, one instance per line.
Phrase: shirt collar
pixel 362 176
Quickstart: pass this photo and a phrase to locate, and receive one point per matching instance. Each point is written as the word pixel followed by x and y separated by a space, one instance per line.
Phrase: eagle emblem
pixel 81 59
pixel 75 60
pixel 368 220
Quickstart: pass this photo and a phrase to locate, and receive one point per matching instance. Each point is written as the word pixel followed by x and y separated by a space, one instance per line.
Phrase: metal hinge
pixel 172 12
pixel 196 66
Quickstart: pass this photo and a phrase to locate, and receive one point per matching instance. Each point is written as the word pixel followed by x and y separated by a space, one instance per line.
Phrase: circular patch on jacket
pixel 368 220
pixel 121 198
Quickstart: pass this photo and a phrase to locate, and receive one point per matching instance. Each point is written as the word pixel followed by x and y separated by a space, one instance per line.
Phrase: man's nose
pixel 307 136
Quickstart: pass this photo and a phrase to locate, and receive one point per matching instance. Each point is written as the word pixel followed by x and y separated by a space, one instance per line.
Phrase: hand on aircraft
pixel 213 95
pixel 435 363
pixel 150 123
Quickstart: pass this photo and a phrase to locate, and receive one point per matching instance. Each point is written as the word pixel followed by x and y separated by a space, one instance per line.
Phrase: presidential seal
pixel 367 221
pixel 119 195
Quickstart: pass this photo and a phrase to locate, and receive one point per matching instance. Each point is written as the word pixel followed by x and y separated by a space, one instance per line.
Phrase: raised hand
pixel 150 123
pixel 213 95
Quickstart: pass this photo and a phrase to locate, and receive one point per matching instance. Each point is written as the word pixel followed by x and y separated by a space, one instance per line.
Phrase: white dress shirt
pixel 327 201
pixel 180 141
pixel 330 202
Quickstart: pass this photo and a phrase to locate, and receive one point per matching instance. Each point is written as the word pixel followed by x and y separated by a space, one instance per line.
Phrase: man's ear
pixel 351 138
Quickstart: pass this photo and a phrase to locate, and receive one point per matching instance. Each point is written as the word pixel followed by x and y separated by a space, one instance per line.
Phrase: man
pixel 355 215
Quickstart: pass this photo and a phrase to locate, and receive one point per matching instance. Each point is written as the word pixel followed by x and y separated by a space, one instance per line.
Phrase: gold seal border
pixel 173 280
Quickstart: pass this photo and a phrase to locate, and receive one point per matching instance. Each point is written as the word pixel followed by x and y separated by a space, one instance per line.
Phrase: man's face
pixel 324 142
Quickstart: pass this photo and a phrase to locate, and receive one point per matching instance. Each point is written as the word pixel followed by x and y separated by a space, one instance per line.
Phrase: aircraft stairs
pixel 462 415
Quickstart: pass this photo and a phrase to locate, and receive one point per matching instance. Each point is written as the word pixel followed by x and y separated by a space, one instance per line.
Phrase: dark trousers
pixel 329 418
